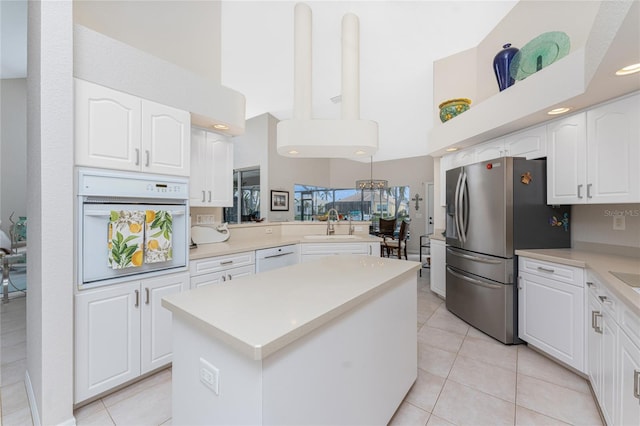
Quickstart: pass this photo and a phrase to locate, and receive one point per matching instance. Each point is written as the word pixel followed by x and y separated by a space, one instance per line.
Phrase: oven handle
pixel 108 213
pixel 472 280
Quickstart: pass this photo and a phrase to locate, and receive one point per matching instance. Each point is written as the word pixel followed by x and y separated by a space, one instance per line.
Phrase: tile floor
pixel 464 378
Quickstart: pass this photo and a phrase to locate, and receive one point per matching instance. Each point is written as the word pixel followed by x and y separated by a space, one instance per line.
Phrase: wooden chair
pixel 387 229
pixel 398 244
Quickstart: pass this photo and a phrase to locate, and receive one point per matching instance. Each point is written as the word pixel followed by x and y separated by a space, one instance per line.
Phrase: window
pixel 246 197
pixel 311 202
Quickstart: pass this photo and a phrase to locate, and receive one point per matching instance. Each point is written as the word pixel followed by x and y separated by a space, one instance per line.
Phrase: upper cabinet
pixel 530 144
pixel 594 156
pixel 119 131
pixel 211 182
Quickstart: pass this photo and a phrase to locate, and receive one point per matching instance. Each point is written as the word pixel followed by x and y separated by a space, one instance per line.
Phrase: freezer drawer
pixel 486 305
pixel 494 268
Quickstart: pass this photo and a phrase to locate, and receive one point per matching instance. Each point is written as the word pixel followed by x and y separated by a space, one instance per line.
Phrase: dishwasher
pixel 277 257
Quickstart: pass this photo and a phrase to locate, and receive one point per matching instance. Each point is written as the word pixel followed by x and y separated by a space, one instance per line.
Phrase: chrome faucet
pixel 330 229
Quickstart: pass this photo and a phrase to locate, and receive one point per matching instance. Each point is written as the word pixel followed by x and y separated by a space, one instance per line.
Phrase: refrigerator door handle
pixel 474 258
pixel 464 200
pixel 472 280
pixel 456 206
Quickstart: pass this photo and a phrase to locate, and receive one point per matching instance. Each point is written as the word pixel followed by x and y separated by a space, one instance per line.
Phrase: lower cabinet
pixel 613 342
pixel 602 333
pixel 551 310
pixel 438 267
pixel 221 269
pixel 311 251
pixel 121 332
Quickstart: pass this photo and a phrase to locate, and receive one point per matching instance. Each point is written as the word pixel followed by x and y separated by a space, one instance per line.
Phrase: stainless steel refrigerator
pixel 494 208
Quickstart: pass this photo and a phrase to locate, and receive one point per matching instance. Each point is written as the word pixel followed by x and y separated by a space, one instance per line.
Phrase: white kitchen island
pixel 327 342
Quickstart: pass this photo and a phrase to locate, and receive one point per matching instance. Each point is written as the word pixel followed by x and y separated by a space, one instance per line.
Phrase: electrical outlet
pixel 618 223
pixel 358 228
pixel 205 219
pixel 210 376
pixel 268 230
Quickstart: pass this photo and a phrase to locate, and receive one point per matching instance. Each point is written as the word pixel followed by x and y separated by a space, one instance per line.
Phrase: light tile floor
pixel 464 378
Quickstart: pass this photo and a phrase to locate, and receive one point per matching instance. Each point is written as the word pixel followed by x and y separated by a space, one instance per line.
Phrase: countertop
pixel 232 246
pixel 598 263
pixel 260 314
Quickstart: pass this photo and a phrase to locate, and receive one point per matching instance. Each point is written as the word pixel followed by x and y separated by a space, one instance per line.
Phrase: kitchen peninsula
pixel 330 341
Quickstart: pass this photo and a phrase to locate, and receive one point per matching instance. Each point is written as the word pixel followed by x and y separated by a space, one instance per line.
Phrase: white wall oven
pixel 129 226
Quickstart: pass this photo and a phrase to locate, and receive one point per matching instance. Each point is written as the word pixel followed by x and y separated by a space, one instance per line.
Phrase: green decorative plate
pixel 540 52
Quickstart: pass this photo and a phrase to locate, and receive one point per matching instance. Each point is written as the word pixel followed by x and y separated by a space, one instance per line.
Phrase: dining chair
pixel 386 229
pixel 398 244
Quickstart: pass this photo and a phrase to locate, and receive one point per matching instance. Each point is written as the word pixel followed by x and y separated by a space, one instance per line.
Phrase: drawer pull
pixel 546 269
pixel 594 321
pixel 226 262
pixel 636 383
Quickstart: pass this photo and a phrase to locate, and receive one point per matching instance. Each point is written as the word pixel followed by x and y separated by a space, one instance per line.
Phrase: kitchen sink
pixel 331 237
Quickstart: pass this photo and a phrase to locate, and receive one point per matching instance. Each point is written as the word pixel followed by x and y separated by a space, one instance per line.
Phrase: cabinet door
pixel 530 144
pixel 613 152
pixel 197 179
pixel 225 276
pixel 490 150
pixel 156 344
pixel 628 386
pixel 445 164
pixel 550 317
pixel 220 171
pixel 107 127
pixel 566 161
pixel 166 133
pixel 438 264
pixel 107 338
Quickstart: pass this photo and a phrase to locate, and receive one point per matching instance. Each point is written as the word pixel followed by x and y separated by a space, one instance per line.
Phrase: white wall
pixel 13 150
pixel 49 378
pixel 186 33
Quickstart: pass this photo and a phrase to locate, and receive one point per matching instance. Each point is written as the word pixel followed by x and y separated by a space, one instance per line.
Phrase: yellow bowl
pixel 453 107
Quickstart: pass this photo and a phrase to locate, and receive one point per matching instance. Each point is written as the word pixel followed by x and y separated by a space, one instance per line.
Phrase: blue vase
pixel 501 64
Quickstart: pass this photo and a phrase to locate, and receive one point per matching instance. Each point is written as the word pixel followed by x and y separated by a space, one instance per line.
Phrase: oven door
pixel 93 253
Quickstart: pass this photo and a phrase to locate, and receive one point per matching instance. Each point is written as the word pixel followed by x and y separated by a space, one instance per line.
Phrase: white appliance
pixel 99 192
pixel 277 257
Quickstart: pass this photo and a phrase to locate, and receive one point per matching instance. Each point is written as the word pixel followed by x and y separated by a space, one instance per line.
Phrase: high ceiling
pixel 399 40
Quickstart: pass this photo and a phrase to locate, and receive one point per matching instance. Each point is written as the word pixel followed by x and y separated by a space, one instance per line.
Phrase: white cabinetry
pixel 119 131
pixel 551 309
pixel 613 342
pixel 530 143
pixel 594 156
pixel 602 332
pixel 490 150
pixel 438 267
pixel 211 183
pixel 311 251
pixel 221 269
pixel 121 332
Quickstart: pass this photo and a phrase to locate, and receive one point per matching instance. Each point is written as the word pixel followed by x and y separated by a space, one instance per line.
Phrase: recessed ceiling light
pixel 293 152
pixel 629 69
pixel 451 149
pixel 221 127
pixel 360 152
pixel 557 111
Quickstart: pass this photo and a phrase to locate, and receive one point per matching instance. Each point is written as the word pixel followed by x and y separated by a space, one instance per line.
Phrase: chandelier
pixel 371 184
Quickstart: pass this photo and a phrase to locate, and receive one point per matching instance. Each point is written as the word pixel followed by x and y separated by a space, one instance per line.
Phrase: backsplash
pixel 595 223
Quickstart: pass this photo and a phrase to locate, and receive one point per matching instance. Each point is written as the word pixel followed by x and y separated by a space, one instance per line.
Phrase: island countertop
pixel 260 314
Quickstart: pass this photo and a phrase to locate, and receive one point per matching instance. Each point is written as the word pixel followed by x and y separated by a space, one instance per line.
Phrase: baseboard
pixel 33 406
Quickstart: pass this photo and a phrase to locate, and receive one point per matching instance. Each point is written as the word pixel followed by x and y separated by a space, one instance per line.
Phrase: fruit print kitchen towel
pixel 158 235
pixel 126 239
